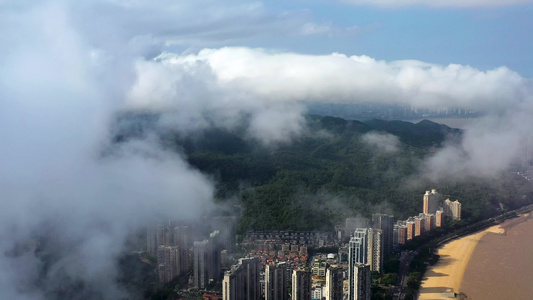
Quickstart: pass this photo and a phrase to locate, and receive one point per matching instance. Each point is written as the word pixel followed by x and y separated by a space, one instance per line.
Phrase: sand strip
pixel 447 274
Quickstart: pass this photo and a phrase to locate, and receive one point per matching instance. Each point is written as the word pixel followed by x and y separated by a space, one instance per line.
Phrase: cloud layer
pixel 280 77
pixel 68 67
pixel 229 85
pixel 58 97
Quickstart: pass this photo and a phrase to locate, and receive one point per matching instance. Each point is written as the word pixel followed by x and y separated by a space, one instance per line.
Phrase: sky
pixel 484 35
pixel 68 67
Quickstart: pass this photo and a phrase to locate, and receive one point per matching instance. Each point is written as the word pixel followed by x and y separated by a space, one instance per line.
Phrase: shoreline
pixel 446 276
pixel 501 266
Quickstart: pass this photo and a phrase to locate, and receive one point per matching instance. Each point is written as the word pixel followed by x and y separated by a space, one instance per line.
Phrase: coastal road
pixel 406 257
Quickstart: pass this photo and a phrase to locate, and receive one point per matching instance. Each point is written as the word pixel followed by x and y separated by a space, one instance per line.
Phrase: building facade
pixel 206 256
pixel 301 285
pixel 431 202
pixel 242 281
pixel 439 221
pixel 375 249
pixel 452 209
pixel 386 224
pixel 334 284
pixel 276 282
pixel 361 283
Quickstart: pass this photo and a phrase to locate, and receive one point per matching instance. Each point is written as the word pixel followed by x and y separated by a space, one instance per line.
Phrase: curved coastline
pixel 500 267
pixel 446 276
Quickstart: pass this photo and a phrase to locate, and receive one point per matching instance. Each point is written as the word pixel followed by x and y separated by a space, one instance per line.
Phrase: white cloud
pixel 58 96
pixel 221 85
pixel 386 143
pixel 277 77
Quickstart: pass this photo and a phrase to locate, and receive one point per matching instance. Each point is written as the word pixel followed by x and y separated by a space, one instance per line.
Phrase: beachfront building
pixel 429 222
pixel 431 202
pixel 452 209
pixel 400 233
pixel 419 224
pixel 410 225
pixel 439 218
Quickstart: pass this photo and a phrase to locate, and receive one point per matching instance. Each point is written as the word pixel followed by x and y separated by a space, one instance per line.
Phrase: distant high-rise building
pixel 301 285
pixel 242 281
pixel 227 228
pixel 452 209
pixel 410 224
pixel 206 255
pixel 164 235
pixel 357 255
pixel 375 249
pixel 439 218
pixel 419 224
pixel 431 202
pixel 366 247
pixel 334 284
pixel 359 285
pixel 181 238
pixel 400 233
pixel 172 254
pixel 429 222
pixel 386 224
pixel 169 264
pixel 276 282
pixel 200 257
pixel 358 246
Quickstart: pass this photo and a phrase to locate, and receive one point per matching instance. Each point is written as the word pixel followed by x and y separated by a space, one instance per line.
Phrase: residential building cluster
pixel 278 265
pixel 199 262
pixel 170 245
pixel 279 237
pixel 295 256
pixel 434 212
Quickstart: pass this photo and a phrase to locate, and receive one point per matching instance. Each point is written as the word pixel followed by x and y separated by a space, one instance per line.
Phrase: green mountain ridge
pixel 330 173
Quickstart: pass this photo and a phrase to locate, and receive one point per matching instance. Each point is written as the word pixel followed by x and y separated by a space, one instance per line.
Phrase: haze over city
pixel 68 67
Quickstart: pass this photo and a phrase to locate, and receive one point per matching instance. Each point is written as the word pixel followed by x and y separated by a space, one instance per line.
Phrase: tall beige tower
pixel 431 202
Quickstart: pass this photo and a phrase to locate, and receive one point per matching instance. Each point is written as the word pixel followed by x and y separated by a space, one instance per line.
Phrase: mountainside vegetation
pixel 330 172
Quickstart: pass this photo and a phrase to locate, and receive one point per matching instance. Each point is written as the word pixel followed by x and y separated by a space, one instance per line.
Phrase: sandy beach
pixel 484 266
pixel 500 267
pixel 447 274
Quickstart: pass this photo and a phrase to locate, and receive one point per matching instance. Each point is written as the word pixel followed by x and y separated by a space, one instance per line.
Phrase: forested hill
pixel 337 169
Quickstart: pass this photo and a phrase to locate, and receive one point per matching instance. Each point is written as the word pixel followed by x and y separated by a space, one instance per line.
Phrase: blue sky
pixel 483 37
